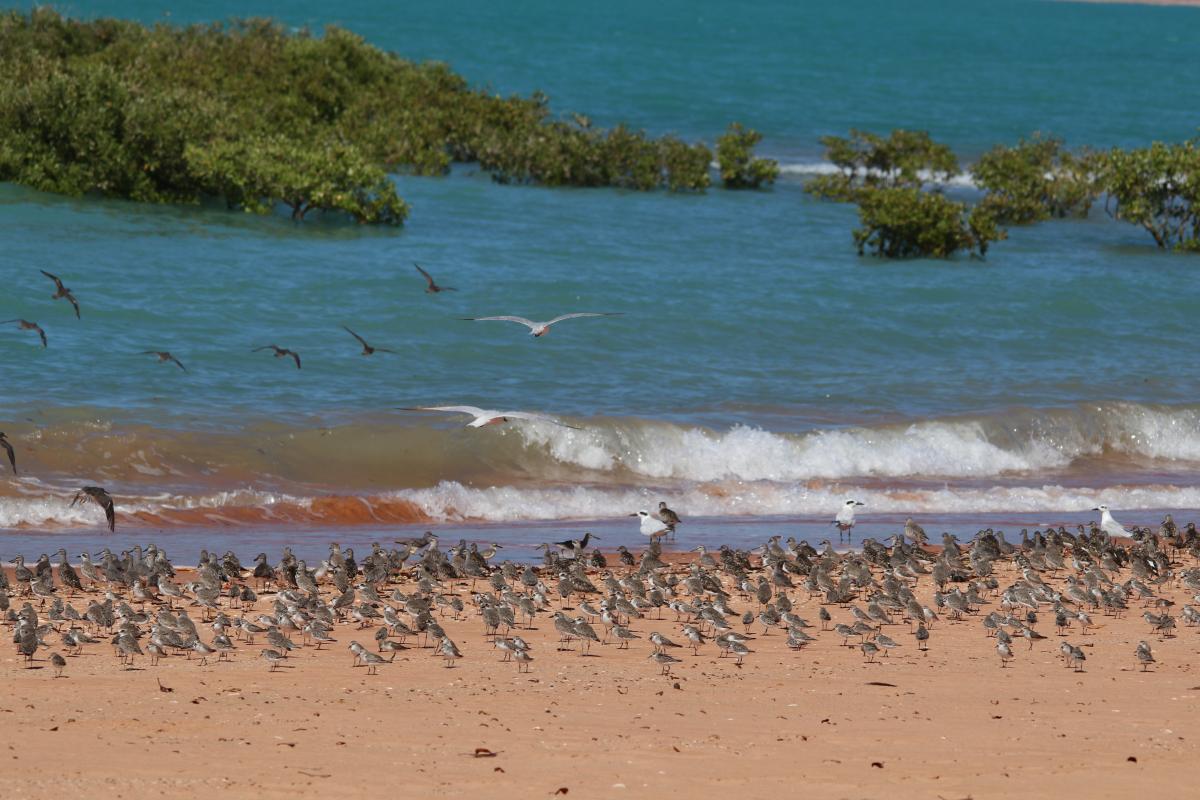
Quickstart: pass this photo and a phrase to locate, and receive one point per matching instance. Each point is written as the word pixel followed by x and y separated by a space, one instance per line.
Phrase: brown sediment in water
pixel 331 510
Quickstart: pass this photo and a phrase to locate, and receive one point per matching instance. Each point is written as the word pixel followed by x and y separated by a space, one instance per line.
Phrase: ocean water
pixel 761 372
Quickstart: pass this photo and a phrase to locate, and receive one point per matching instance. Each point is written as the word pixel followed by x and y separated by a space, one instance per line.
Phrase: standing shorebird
pixel 1005 652
pixel 62 292
pixel 922 635
pixel 433 287
pixel 8 448
pixel 59 663
pixel 1145 655
pixel 101 498
pixel 1109 525
pixel 164 357
pixel 280 352
pixel 367 350
pixel 668 518
pixel 538 329
pixel 665 661
pixel 651 525
pixel 845 518
pixel 26 325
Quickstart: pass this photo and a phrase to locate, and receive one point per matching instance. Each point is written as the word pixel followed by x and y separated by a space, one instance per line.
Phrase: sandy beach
pixel 819 721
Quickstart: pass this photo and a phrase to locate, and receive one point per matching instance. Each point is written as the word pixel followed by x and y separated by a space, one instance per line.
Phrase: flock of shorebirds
pixel 863 597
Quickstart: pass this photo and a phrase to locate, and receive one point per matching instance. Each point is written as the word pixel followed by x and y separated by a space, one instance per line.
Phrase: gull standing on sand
pixel 845 518
pixel 651 525
pixel 485 416
pixel 541 328
pixel 1109 525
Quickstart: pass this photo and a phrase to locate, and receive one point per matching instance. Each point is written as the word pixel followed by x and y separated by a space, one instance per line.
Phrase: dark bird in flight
pixel 8 448
pixel 62 292
pixel 26 325
pixel 163 355
pixel 101 498
pixel 432 288
pixel 281 352
pixel 367 349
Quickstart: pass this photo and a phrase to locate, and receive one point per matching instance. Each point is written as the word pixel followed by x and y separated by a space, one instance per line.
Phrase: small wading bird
pixel 432 288
pixel 101 498
pixel 8 448
pixel 366 348
pixel 26 325
pixel 163 357
pixel 845 518
pixel 280 352
pixel 62 292
pixel 540 328
pixel 486 417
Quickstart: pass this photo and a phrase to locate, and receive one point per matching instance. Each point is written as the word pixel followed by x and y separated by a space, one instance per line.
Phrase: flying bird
pixel 62 292
pixel 280 352
pixel 26 325
pixel 541 328
pixel 487 417
pixel 8 448
pixel 164 356
pixel 101 498
pixel 432 288
pixel 367 349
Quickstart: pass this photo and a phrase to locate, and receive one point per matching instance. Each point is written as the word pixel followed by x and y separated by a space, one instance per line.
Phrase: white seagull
pixel 487 417
pixel 652 526
pixel 540 328
pixel 1108 524
pixel 845 517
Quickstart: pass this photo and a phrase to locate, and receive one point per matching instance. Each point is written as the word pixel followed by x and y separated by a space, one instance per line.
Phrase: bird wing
pixel 178 363
pixel 533 326
pixel 582 314
pixel 428 277
pixel 264 347
pixel 294 355
pixel 54 278
pixel 541 417
pixel 41 333
pixel 472 410
pixel 356 336
pixel 110 511
pixel 12 458
pixel 74 303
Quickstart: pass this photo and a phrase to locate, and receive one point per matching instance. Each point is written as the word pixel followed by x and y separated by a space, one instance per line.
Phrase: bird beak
pixel 633 515
pixel 1095 509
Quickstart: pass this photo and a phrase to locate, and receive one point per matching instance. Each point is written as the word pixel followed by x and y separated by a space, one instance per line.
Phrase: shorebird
pixel 1005 652
pixel 367 350
pixel 59 663
pixel 845 518
pixel 1109 525
pixel 101 498
pixel 651 525
pixel 164 357
pixel 922 637
pixel 26 325
pixel 449 651
pixel 273 657
pixel 432 288
pixel 537 329
pixel 575 546
pixel 484 417
pixel 8 448
pixel 664 660
pixel 62 292
pixel 1145 655
pixel 668 517
pixel 280 352
pixel 523 660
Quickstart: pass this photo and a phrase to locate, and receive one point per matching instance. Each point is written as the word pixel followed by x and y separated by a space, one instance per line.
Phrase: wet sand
pixel 815 723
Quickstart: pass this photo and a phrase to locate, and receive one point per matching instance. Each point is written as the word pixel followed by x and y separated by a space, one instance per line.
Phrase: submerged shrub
pixel 1036 180
pixel 906 222
pixel 1157 188
pixel 905 159
pixel 735 156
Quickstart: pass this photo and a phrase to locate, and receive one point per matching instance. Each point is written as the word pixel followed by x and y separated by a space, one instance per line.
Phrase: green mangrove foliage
pixel 905 159
pixel 1157 188
pixel 906 222
pixel 256 115
pixel 735 157
pixel 1036 180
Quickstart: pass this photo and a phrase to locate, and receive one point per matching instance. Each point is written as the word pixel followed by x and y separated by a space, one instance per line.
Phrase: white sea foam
pixel 804 168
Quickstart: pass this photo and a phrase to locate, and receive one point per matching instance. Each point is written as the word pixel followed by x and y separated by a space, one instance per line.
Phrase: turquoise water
pixel 760 367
